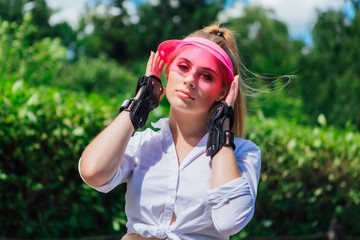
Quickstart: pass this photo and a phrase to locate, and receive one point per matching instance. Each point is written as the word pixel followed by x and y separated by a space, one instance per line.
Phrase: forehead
pixel 199 57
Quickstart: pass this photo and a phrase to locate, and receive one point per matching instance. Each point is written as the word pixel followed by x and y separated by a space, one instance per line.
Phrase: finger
pixel 154 63
pixel 233 92
pixel 158 64
pixel 161 66
pixel 149 64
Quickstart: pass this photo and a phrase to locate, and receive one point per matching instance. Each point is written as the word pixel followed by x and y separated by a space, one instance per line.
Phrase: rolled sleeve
pixel 232 206
pixel 248 157
pixel 218 197
pixel 125 169
pixel 120 176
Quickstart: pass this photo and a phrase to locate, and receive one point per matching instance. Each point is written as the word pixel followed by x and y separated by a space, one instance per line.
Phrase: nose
pixel 190 80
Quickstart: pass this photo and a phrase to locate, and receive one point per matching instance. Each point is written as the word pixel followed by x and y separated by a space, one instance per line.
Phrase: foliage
pixel 43 132
pixel 264 43
pixel 44 62
pixel 308 174
pixel 155 22
pixel 305 172
pixel 308 178
pixel 21 58
pixel 331 76
pixel 276 102
pixel 11 10
pixel 100 75
pixel 14 10
pixel 265 47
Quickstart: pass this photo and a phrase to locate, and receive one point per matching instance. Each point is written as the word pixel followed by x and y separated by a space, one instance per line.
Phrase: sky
pixel 298 15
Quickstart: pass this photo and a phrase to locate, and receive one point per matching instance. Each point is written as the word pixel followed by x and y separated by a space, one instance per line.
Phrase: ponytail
pixel 225 38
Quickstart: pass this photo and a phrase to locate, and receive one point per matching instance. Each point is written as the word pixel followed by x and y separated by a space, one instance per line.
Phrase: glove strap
pixel 218 137
pixel 149 98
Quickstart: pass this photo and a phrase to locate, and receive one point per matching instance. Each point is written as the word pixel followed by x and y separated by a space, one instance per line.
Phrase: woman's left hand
pixel 233 92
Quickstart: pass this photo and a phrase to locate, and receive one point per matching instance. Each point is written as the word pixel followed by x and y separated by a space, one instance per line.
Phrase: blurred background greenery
pixel 60 86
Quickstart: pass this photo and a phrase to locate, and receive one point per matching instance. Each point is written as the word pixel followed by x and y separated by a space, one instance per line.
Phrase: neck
pixel 188 127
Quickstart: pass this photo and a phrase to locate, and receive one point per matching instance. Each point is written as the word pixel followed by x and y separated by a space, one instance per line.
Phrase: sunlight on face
pixel 194 80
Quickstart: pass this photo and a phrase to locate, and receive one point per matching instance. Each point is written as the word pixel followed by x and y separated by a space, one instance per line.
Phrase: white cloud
pixel 67 11
pixel 299 16
pixel 232 12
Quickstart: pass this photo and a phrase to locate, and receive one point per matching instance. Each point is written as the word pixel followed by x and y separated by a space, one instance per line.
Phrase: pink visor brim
pixel 166 48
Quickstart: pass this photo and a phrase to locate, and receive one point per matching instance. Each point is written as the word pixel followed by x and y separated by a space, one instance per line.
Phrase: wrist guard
pixel 218 137
pixel 149 98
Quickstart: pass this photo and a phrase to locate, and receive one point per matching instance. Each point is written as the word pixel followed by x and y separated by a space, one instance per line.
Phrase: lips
pixel 184 94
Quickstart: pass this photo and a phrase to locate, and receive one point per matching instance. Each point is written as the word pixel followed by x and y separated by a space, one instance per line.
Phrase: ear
pixel 222 93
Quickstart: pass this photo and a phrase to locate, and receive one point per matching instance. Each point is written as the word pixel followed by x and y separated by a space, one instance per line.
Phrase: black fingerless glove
pixel 218 137
pixel 149 98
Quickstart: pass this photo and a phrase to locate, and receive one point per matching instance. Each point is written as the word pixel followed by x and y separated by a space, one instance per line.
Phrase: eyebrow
pixel 204 68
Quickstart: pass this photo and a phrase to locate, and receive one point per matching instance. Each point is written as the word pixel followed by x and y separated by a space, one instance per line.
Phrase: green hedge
pixel 309 177
pixel 39 62
pixel 101 75
pixel 43 132
pixel 308 174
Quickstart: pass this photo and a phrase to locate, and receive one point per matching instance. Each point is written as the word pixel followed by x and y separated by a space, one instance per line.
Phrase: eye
pixel 207 76
pixel 183 67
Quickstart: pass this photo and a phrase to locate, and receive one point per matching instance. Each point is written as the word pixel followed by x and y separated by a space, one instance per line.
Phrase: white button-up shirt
pixel 157 187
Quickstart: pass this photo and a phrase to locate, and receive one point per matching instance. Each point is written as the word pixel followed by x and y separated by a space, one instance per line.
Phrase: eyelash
pixel 207 76
pixel 183 67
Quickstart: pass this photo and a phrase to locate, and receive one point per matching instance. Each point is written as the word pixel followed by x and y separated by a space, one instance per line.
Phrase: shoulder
pixel 244 145
pixel 246 148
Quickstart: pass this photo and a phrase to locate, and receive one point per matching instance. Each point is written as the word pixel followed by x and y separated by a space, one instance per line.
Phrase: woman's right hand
pixel 154 65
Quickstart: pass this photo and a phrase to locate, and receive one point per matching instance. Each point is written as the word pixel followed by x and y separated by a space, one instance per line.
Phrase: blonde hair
pixel 225 38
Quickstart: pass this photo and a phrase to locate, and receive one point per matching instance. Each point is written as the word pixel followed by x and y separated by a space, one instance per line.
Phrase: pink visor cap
pixel 166 48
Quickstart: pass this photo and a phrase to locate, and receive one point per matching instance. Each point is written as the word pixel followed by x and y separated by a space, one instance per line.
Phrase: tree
pixel 14 10
pixel 264 43
pixel 266 49
pixel 170 20
pixel 125 37
pixel 109 30
pixel 330 82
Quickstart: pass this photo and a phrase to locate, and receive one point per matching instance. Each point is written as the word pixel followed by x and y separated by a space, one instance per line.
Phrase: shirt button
pixel 172 195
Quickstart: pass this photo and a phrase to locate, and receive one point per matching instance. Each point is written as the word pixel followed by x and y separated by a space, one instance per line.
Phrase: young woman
pixel 191 179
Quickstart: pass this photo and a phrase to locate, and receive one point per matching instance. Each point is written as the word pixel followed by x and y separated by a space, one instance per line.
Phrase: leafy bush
pixel 44 62
pixel 38 62
pixel 100 75
pixel 43 132
pixel 308 179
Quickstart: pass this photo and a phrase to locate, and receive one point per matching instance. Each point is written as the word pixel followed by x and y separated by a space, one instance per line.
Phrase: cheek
pixel 173 68
pixel 212 90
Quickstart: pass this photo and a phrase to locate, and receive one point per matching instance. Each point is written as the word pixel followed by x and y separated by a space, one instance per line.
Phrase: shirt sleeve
pixel 233 204
pixel 124 171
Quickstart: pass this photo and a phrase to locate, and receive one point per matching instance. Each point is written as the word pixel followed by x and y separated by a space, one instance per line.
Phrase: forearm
pixel 102 157
pixel 224 167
